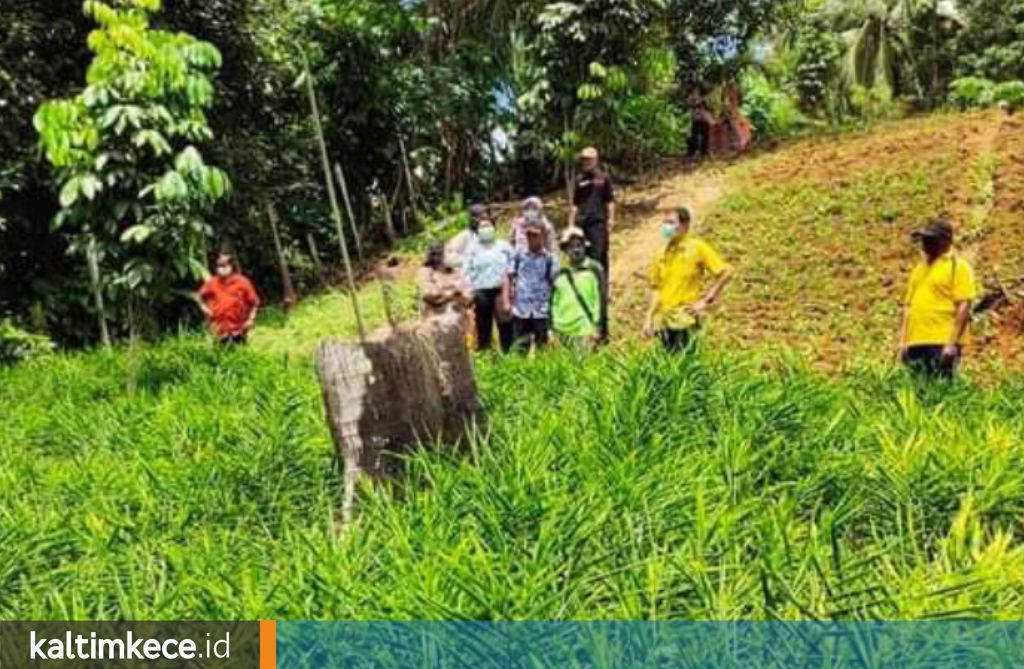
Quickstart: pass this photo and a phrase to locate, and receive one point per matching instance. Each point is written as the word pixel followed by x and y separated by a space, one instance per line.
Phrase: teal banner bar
pixel 650 645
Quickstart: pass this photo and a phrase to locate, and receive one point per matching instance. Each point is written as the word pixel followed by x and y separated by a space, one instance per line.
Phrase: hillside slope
pixel 819 233
pixel 180 481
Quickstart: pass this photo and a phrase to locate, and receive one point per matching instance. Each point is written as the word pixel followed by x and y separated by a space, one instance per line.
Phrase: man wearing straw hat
pixel 593 210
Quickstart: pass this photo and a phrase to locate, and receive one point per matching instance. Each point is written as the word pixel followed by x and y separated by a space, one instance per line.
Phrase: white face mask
pixel 486 234
pixel 223 272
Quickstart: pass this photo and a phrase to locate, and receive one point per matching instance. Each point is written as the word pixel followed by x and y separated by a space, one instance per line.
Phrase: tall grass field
pixel 179 481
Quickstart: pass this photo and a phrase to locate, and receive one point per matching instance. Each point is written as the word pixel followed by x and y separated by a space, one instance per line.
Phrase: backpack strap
pixel 568 274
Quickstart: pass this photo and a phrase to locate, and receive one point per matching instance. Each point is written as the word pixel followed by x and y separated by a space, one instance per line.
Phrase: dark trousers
pixel 536 331
pixel 235 340
pixel 928 361
pixel 596 232
pixel 700 139
pixel 485 307
pixel 678 341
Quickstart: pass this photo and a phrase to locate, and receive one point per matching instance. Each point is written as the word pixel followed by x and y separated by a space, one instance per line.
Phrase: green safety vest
pixel 577 313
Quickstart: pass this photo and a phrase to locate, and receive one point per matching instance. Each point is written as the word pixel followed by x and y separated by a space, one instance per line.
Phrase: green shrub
pixel 772 112
pixel 1010 94
pixel 971 92
pixel 876 103
pixel 17 345
pixel 655 127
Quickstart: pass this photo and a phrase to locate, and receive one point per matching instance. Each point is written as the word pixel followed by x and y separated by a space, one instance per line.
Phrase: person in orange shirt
pixel 229 302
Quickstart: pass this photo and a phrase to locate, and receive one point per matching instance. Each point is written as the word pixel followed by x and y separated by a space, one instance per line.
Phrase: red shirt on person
pixel 230 301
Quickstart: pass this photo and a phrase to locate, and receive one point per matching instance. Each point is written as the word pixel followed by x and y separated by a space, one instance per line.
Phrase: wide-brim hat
pixel 570 234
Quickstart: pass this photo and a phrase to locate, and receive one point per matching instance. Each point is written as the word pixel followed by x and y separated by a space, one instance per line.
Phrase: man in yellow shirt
pixel 937 307
pixel 677 304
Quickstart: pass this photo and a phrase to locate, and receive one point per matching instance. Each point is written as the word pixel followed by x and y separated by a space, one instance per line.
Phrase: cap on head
pixel 478 211
pixel 589 153
pixel 572 233
pixel 938 228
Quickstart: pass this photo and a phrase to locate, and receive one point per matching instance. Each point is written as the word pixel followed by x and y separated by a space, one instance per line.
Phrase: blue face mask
pixel 669 230
pixel 486 234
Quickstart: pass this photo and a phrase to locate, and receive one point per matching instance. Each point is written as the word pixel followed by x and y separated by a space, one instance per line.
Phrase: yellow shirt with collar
pixel 677 276
pixel 932 295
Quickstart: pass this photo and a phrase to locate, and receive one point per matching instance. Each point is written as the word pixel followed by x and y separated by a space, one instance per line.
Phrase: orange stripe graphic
pixel 268 644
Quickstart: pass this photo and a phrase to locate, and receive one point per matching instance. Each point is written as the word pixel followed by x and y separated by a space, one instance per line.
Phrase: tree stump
pixel 399 388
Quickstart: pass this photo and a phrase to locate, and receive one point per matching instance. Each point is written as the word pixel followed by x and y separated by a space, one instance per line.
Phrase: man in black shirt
pixel 593 210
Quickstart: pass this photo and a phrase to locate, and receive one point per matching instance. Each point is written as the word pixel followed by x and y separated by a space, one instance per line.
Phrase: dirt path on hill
pixel 638 239
pixel 974 199
pixel 821 236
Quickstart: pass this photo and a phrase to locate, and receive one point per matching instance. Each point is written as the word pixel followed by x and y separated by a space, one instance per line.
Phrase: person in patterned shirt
pixel 527 290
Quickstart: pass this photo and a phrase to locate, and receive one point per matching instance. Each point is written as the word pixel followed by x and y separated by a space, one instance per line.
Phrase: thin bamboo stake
pixel 413 197
pixel 385 291
pixel 286 276
pixel 335 211
pixel 340 174
pixel 389 224
pixel 97 291
pixel 314 254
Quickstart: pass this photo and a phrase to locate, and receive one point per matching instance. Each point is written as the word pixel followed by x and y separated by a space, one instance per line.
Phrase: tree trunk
pixel 314 254
pixel 389 223
pixel 97 292
pixel 286 277
pixel 395 391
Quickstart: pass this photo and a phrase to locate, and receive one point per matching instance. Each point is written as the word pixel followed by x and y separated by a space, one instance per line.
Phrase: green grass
pixel 328 315
pixel 822 266
pixel 181 482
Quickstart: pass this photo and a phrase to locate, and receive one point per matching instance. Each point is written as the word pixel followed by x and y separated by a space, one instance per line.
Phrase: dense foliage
pixel 134 187
pixel 432 102
pixel 992 45
pixel 663 488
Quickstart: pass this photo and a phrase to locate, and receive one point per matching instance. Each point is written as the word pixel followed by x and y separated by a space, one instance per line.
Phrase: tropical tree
pixel 894 43
pixel 992 42
pixel 134 186
pixel 709 34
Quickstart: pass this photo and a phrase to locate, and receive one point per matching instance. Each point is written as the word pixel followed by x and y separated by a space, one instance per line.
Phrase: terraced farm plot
pixel 820 234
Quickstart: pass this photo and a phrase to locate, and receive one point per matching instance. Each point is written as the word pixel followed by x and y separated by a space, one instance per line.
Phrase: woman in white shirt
pixel 458 246
pixel 486 263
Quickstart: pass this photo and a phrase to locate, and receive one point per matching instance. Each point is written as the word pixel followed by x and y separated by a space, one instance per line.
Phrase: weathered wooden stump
pixel 397 389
